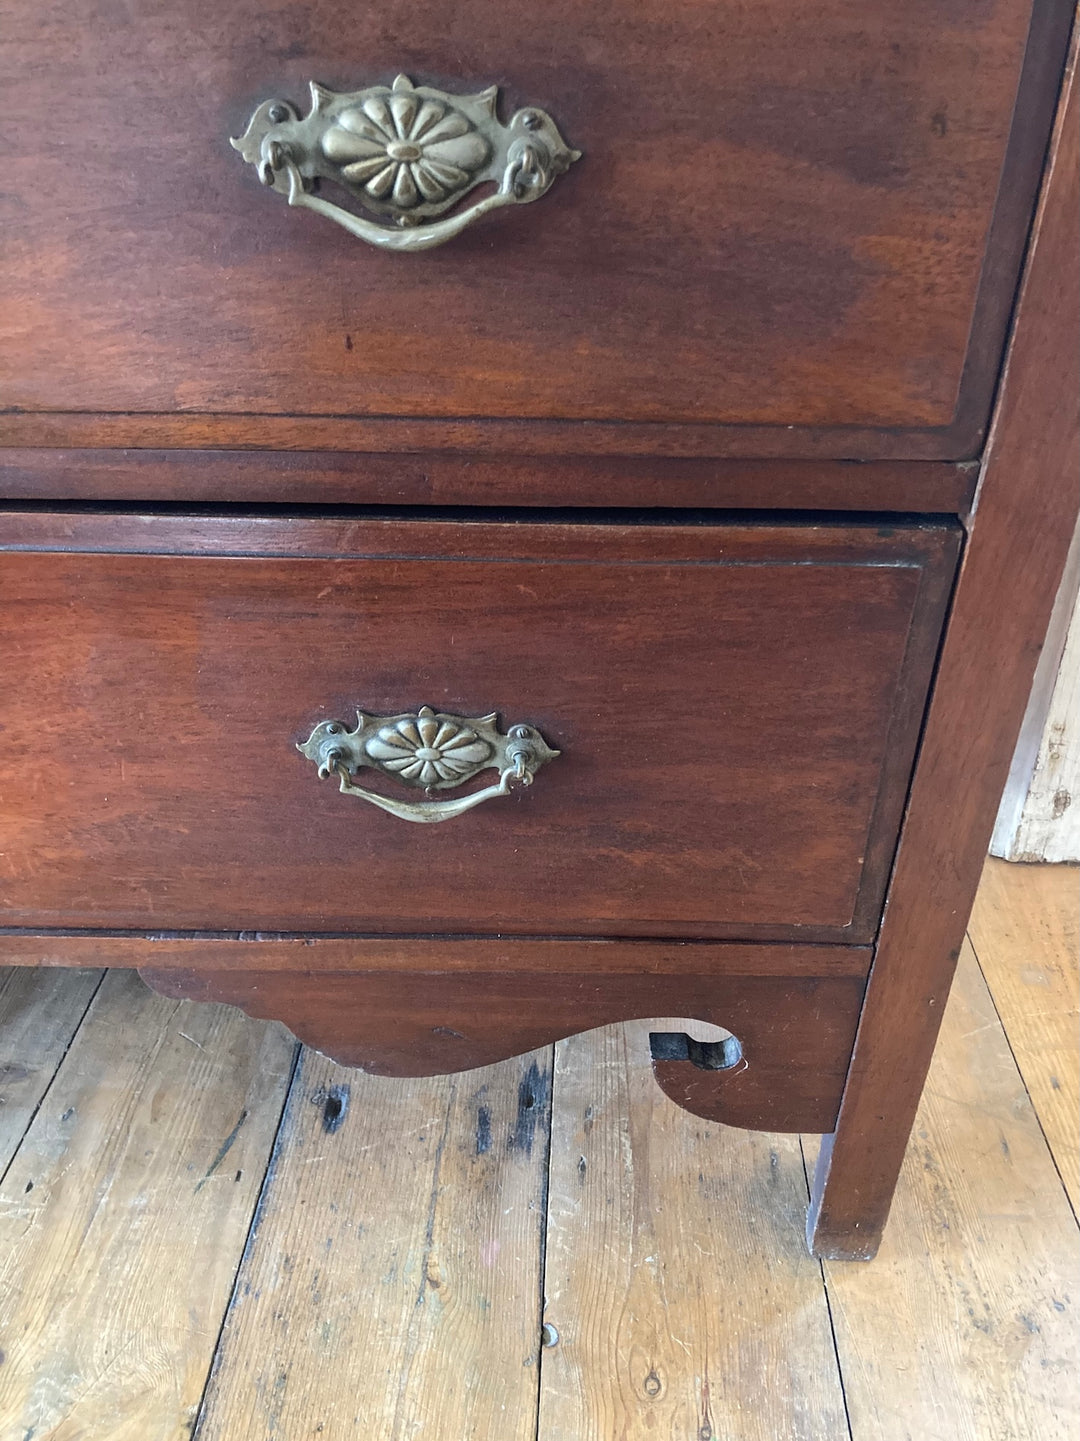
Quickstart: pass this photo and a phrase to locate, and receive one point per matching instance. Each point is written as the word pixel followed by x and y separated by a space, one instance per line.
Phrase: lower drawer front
pixel 735 706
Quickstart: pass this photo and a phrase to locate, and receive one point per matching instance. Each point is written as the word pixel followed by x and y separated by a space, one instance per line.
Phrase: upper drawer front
pixel 780 220
pixel 736 710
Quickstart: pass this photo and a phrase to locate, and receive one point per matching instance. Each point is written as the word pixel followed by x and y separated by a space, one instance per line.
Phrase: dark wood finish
pixel 780 279
pixel 205 952
pixel 795 1033
pixel 246 477
pixel 1025 514
pixel 737 708
pixel 273 435
pixel 408 535
pixel 401 1006
pixel 780 225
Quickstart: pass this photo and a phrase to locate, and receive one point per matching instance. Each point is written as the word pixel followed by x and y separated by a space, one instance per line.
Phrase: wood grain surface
pixel 684 1302
pixel 781 220
pixel 1025 515
pixel 123 1212
pixel 392 1287
pixel 736 707
pixel 964 1327
pixel 1025 928
pixel 38 1019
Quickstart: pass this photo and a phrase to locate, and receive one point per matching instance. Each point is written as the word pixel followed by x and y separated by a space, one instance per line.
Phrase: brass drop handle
pixel 408 154
pixel 430 751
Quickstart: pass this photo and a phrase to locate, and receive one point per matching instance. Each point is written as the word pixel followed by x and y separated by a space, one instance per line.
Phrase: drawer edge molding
pixel 271 434
pixel 446 953
pixel 440 478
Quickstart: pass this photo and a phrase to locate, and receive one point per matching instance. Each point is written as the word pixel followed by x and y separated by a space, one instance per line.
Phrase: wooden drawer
pixel 736 708
pixel 794 229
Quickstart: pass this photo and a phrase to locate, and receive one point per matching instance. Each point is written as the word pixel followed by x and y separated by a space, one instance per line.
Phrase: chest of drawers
pixel 645 543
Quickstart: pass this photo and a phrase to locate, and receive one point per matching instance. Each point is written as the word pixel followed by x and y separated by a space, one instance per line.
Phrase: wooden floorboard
pixel 965 1326
pixel 123 1214
pixel 677 1277
pixel 391 1289
pixel 391 1283
pixel 1026 932
pixel 39 1015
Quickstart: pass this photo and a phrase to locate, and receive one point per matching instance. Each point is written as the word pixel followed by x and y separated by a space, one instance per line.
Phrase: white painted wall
pixel 1039 819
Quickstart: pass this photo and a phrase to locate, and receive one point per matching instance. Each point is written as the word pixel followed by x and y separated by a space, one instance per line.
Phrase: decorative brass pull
pixel 407 153
pixel 429 751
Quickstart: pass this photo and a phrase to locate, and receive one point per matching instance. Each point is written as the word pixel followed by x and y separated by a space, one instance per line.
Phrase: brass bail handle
pixel 427 750
pixel 408 153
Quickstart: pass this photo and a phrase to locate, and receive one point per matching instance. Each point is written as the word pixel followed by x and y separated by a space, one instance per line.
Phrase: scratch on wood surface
pixel 427 1277
pixel 92 1385
pixel 989 1026
pixel 398 1137
pixel 223 1150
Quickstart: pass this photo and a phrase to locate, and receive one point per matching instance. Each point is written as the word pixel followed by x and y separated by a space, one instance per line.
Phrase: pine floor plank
pixel 391 1289
pixel 123 1215
pixel 964 1327
pixel 1026 933
pixel 677 1276
pixel 40 1011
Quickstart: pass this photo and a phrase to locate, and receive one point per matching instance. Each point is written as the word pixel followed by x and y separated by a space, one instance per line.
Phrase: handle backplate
pixel 429 751
pixel 408 154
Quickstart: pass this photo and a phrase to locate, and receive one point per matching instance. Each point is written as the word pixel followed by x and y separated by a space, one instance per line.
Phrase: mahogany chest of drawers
pixel 610 452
